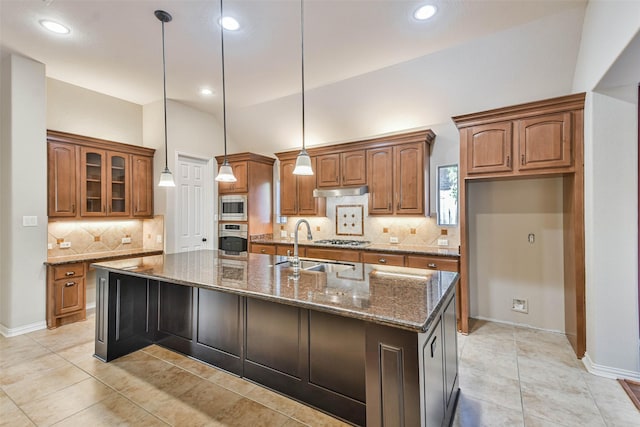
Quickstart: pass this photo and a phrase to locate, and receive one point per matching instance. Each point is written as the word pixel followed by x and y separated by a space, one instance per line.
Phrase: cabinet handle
pixel 263 251
pixel 508 161
pixel 69 284
pixel 433 346
pixel 70 273
pixel 522 159
pixel 382 261
pixel 432 265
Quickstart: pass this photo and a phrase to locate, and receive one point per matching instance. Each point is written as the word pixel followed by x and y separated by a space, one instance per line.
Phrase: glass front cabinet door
pixel 92 184
pixel 118 181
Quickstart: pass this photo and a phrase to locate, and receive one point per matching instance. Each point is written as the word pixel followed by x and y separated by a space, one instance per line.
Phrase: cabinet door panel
pixel 409 178
pixel 489 148
pixel 432 358
pixel 307 204
pixel 380 179
pixel 354 168
pixel 219 323
pixel 69 295
pixel 142 186
pixel 175 310
pixel 288 188
pixel 61 170
pixel 241 172
pixel 273 336
pixel 92 182
pixel 118 184
pixel 328 170
pixel 545 141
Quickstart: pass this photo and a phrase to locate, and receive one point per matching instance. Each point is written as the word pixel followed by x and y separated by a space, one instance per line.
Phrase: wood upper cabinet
pixel 241 172
pixel 89 177
pixel 61 171
pixel 142 186
pixel 545 141
pixel 380 180
pixel 296 191
pixel 396 179
pixel 523 146
pixel 342 169
pixel 489 148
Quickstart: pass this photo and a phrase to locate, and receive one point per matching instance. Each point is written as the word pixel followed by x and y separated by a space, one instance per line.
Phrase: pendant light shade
pixel 225 174
pixel 303 162
pixel 166 178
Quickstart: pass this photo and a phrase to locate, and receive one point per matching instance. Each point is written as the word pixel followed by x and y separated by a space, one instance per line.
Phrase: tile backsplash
pixel 377 229
pixel 104 236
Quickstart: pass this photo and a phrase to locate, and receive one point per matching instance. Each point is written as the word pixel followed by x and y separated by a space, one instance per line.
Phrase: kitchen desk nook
pixel 371 344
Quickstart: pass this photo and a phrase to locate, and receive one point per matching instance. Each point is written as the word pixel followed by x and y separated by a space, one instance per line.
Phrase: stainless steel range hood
pixel 341 191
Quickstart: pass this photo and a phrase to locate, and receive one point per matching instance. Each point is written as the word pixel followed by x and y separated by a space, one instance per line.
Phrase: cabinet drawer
pixel 433 262
pixel 282 250
pixel 67 271
pixel 68 295
pixel 263 249
pixel 381 258
pixel 334 254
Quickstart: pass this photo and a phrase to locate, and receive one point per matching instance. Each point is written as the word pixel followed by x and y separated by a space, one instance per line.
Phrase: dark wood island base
pixel 358 365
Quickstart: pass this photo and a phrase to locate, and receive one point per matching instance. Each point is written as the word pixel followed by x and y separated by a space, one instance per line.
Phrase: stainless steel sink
pixel 319 266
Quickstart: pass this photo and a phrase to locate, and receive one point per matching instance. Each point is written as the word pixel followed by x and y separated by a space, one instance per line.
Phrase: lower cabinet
pixel 66 287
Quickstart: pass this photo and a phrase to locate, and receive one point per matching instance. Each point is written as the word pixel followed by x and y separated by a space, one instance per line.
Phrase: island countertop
pixel 401 297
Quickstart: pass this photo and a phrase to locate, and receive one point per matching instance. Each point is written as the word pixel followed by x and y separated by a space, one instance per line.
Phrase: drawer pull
pixel 70 273
pixel 382 261
pixel 69 284
pixel 432 265
pixel 263 251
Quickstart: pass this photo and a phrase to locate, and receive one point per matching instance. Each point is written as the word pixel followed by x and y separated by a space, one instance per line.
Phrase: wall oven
pixel 232 238
pixel 233 208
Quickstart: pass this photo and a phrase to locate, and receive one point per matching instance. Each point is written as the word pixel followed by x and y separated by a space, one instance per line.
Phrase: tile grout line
pixel 515 343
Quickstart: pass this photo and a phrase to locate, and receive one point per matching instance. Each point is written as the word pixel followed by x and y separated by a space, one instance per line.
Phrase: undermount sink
pixel 319 266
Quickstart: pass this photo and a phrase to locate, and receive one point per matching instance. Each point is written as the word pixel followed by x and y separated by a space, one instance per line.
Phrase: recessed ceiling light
pixel 229 23
pixel 206 92
pixel 54 27
pixel 425 12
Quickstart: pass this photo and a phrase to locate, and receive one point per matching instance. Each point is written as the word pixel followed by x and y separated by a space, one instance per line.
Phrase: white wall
pixel 610 193
pixel 190 132
pixel 24 192
pixel 503 264
pixel 81 111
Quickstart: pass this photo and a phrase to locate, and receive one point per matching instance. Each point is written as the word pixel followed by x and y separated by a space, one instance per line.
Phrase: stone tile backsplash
pixel 377 229
pixel 105 236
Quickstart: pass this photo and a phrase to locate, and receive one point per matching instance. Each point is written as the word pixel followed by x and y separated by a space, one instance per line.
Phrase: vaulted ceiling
pixel 370 67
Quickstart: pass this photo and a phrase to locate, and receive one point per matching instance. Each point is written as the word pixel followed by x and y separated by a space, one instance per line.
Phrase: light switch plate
pixel 393 240
pixel 65 245
pixel 126 240
pixel 29 221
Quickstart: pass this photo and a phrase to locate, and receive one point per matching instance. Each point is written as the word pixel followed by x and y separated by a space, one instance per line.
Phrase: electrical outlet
pixel 520 305
pixel 443 242
pixel 393 240
pixel 65 245
pixel 49 245
pixel 283 234
pixel 29 221
pixel 126 240
pixel 158 238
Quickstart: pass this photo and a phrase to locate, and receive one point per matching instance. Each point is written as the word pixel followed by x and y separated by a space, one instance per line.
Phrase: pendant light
pixel 226 172
pixel 166 178
pixel 303 162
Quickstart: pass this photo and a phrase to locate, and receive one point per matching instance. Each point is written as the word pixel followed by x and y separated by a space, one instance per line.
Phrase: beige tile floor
pixel 509 376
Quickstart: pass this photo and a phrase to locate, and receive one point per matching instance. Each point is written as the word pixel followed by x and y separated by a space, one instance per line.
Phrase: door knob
pixel 204 239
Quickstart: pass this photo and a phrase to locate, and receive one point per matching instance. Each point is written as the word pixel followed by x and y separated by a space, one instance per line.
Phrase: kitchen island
pixel 373 345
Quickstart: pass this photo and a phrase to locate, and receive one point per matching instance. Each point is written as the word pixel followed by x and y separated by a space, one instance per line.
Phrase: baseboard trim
pixel 521 325
pixel 607 371
pixel 20 330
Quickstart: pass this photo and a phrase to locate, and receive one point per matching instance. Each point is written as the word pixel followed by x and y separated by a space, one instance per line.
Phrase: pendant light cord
pixel 224 97
pixel 302 63
pixel 164 86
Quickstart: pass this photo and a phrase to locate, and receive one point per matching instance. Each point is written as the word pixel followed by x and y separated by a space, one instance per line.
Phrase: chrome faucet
pixel 295 263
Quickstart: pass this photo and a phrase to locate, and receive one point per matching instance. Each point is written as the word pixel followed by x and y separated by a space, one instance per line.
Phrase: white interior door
pixel 194 216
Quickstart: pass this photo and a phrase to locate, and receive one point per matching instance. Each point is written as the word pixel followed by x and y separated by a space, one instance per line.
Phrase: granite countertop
pixel 401 297
pixel 101 256
pixel 372 247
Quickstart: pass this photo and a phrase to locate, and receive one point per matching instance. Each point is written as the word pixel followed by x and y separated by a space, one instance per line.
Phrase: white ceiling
pixel 370 68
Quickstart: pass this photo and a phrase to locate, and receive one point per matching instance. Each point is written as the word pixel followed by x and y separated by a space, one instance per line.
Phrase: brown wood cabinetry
pixel 380 180
pixel 332 254
pixel 62 184
pixel 296 192
pixel 89 177
pixel 257 248
pixel 530 140
pixel 66 289
pixel 342 169
pixel 433 262
pixel 241 172
pixel 523 147
pixel 383 258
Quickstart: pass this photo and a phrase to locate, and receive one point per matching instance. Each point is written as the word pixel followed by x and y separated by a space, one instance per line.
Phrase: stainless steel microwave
pixel 233 208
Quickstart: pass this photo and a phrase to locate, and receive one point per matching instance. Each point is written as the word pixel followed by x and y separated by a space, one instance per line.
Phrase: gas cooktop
pixel 342 242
